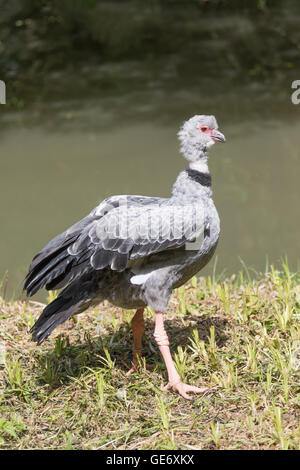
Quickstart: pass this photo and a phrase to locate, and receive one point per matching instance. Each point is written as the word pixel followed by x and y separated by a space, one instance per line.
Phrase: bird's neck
pixel 192 184
pixel 196 156
pixel 200 165
pixel 195 181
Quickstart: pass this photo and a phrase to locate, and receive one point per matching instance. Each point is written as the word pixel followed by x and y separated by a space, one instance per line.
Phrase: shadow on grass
pixel 65 361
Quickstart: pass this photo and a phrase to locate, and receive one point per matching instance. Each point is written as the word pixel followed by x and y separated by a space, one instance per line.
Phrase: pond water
pixel 60 158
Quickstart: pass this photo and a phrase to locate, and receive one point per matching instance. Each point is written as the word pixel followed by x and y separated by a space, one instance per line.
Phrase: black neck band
pixel 202 178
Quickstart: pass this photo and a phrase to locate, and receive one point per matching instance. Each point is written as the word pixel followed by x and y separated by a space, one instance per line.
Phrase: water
pixel 50 179
pixel 61 157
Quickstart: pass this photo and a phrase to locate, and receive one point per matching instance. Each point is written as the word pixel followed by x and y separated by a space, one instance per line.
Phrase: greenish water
pixel 106 128
pixel 51 178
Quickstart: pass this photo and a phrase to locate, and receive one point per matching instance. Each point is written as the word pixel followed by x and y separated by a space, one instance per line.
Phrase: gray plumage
pixel 133 250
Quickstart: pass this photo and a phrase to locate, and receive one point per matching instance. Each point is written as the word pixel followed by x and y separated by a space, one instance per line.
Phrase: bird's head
pixel 198 134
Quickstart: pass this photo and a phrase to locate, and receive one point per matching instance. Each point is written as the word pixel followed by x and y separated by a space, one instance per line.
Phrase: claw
pixel 137 367
pixel 184 389
pixel 131 371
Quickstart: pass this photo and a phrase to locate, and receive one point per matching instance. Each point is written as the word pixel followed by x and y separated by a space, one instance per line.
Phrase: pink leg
pixel 138 328
pixel 175 382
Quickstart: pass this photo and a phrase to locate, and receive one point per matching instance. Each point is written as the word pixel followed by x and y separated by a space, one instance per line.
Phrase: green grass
pixel 239 337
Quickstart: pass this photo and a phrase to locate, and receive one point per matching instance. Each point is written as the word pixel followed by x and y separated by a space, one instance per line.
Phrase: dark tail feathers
pixel 56 313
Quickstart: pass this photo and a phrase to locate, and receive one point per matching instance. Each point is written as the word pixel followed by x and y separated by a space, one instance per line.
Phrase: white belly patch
pixel 139 279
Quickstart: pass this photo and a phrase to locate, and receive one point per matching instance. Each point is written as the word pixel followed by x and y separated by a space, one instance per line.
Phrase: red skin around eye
pixel 205 130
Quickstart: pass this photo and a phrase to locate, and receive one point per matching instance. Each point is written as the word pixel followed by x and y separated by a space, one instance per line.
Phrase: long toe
pixel 184 389
pixel 131 371
pixel 136 368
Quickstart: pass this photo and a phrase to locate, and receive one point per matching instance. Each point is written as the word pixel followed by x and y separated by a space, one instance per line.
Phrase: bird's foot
pixel 138 366
pixel 184 389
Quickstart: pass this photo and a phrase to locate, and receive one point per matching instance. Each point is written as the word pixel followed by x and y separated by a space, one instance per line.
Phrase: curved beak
pixel 217 136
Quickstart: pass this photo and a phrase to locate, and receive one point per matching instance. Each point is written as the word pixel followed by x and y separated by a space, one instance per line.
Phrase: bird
pixel 133 251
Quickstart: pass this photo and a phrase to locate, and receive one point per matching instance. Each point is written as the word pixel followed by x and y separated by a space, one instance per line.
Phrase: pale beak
pixel 217 136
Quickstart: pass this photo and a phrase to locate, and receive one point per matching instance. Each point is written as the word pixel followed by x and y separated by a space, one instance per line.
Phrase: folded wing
pixel 120 229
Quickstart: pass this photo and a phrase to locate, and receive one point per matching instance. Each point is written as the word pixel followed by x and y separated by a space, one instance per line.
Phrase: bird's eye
pixel 203 128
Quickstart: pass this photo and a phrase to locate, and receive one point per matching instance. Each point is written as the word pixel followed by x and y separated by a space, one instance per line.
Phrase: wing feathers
pixel 110 238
